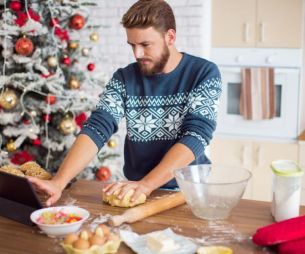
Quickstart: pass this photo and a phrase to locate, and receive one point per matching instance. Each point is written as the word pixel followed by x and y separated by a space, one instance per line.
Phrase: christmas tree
pixel 47 82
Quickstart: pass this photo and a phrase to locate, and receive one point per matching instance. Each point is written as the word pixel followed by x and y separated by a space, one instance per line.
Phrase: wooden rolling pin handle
pixel 140 212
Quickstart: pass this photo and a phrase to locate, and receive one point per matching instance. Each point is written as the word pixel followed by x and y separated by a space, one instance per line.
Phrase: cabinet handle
pixel 262 32
pixel 246 31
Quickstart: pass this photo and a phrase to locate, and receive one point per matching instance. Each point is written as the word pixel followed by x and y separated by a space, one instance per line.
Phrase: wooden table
pixel 16 238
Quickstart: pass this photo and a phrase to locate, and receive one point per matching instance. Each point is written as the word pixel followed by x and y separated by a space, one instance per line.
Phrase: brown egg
pixel 102 230
pixel 85 234
pixel 97 240
pixel 81 244
pixel 70 238
pixel 114 237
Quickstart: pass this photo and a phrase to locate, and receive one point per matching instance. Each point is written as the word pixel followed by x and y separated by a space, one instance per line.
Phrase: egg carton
pixel 110 246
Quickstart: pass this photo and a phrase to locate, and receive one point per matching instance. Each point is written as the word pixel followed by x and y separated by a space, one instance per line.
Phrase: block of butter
pixel 160 242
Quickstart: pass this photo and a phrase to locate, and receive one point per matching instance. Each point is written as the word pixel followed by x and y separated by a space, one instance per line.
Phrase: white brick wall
pixel 193 31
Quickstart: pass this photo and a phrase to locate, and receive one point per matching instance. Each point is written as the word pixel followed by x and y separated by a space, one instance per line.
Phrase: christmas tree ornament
pixel 33 113
pixel 54 22
pixel 91 66
pixel 85 51
pixel 10 146
pixel 26 121
pixel 52 61
pixel 21 158
pixel 15 6
pixel 77 22
pixel 74 83
pixel 94 37
pixel 111 143
pixel 24 46
pixel 47 118
pixel 80 119
pixel 73 45
pixel 50 99
pixel 8 99
pixel 103 174
pixel 36 142
pixel 67 125
pixel 66 60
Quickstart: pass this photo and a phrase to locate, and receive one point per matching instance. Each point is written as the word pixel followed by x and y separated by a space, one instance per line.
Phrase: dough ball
pixel 125 201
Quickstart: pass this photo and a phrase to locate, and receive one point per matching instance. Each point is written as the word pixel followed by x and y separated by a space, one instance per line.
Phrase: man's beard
pixel 157 66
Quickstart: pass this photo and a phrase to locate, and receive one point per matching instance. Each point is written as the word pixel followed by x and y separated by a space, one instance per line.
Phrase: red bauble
pixel 15 6
pixel 26 121
pixel 66 60
pixel 50 99
pixel 21 157
pixel 54 22
pixel 24 46
pixel 77 22
pixel 80 119
pixel 47 118
pixel 91 66
pixel 103 174
pixel 36 142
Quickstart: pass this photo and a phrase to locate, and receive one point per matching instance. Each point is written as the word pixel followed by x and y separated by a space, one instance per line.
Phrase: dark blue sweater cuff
pixel 194 144
pixel 97 137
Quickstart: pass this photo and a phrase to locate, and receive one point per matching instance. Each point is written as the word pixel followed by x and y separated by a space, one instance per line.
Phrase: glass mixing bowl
pixel 212 191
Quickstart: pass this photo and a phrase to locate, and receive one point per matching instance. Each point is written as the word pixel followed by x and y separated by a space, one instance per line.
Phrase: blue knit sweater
pixel 160 111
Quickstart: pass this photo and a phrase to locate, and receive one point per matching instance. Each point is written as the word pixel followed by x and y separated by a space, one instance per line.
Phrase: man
pixel 169 100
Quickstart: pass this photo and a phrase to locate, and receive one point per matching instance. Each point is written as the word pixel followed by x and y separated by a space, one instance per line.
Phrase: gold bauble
pixel 52 61
pixel 73 45
pixel 94 37
pixel 85 51
pixel 10 146
pixel 112 143
pixel 74 84
pixel 67 126
pixel 8 99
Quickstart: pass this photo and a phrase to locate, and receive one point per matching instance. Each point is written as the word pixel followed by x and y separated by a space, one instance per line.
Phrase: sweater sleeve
pixel 110 109
pixel 200 120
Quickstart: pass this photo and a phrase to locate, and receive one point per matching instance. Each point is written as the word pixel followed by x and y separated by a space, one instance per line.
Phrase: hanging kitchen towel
pixel 257 98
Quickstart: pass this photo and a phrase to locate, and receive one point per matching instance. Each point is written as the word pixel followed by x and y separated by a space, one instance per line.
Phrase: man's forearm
pixel 78 157
pixel 178 156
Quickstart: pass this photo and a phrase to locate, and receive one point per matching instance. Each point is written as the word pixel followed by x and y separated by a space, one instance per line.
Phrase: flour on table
pixel 217 232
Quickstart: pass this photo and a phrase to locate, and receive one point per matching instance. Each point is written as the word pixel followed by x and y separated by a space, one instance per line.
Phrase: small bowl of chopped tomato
pixel 60 220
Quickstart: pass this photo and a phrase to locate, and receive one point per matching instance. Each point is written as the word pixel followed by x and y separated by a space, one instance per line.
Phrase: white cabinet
pixel 255 155
pixel 257 23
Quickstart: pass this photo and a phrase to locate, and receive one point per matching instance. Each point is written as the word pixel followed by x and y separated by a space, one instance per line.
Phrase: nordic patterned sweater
pixel 160 111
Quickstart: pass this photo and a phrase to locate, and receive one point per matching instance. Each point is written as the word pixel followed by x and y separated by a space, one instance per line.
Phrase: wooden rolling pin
pixel 153 207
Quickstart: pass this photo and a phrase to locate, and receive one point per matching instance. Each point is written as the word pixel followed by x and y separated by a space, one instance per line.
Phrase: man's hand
pixel 50 187
pixel 138 186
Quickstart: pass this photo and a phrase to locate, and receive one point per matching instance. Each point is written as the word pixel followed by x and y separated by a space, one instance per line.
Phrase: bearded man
pixel 169 99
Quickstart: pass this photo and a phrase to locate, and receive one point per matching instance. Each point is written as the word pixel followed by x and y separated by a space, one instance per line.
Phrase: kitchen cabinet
pixel 257 23
pixel 255 155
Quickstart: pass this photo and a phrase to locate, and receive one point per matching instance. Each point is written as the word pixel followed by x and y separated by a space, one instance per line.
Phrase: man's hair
pixel 147 13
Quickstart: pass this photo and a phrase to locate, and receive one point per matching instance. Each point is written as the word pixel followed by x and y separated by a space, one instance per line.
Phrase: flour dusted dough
pixel 125 201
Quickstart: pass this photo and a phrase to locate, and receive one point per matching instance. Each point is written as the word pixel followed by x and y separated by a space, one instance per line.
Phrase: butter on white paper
pixel 138 243
pixel 160 242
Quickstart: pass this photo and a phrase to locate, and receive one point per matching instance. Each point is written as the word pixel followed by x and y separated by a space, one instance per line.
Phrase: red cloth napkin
pixel 286 231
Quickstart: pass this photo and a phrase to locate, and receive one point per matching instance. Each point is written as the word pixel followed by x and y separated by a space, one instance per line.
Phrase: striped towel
pixel 257 98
